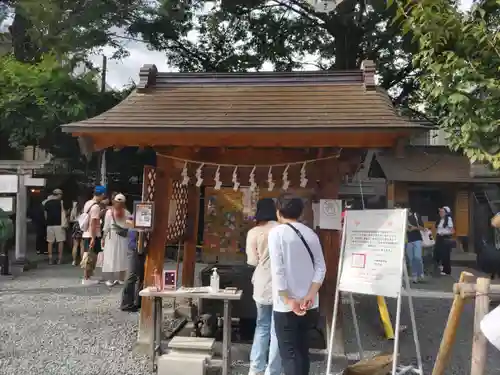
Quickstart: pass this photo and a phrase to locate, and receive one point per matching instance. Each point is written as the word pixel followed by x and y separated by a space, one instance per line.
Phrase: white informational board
pixel 372 262
pixel 8 183
pixel 330 214
pixel 7 204
pixel 373 252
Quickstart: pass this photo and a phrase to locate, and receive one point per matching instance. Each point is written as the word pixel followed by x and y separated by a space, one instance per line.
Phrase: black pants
pixel 291 332
pixel 134 281
pixel 41 239
pixel 442 253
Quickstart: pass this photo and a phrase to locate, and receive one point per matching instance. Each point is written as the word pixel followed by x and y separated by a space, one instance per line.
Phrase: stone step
pixel 181 364
pixel 191 344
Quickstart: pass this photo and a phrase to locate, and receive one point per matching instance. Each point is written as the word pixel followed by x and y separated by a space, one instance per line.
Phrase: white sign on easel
pixel 372 263
pixel 330 214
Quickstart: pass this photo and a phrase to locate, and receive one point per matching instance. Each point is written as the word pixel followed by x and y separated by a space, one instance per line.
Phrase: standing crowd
pixel 289 270
pixel 102 235
pixel 441 246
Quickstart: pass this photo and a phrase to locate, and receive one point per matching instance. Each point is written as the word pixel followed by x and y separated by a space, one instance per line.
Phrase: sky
pixel 125 71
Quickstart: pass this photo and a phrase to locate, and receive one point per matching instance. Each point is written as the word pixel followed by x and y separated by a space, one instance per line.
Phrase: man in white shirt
pixel 92 237
pixel 298 269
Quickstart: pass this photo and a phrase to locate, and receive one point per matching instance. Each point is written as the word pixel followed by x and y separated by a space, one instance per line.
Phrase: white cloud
pixel 122 72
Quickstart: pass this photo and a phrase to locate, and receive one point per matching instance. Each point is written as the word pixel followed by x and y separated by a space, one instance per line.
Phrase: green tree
pixel 68 27
pixel 242 35
pixel 459 57
pixel 35 99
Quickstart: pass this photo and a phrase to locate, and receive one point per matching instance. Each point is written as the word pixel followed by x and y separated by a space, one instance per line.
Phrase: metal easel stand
pixel 400 370
pixel 396 370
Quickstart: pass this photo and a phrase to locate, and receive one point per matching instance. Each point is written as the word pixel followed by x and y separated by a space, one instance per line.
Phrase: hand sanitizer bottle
pixel 214 281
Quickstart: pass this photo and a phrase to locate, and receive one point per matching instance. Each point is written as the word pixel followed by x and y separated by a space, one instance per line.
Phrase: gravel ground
pixel 51 325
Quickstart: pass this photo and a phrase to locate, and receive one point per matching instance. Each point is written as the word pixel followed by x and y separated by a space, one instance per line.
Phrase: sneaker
pixel 414 279
pixel 74 263
pixel 51 261
pixel 444 274
pixel 88 282
pixel 110 283
pixel 119 282
pixel 422 278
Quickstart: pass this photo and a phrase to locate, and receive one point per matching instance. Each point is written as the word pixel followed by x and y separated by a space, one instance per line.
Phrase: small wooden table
pixel 186 293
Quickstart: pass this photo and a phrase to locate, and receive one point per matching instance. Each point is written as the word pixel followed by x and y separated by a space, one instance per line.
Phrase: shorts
pixel 56 234
pixel 89 259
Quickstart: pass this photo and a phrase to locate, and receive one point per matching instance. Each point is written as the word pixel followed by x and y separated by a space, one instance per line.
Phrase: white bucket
pixel 490 326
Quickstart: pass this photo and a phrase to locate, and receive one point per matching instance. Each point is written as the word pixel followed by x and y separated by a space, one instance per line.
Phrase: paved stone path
pixel 51 325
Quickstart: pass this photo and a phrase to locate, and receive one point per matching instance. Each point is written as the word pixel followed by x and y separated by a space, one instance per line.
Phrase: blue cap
pixel 99 190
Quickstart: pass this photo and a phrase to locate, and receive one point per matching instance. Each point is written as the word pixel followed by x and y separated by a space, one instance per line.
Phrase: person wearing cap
pixel 257 251
pixel 115 241
pixel 444 241
pixel 55 221
pixel 92 236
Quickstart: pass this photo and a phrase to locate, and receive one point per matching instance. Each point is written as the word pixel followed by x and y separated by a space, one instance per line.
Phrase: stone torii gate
pixel 20 171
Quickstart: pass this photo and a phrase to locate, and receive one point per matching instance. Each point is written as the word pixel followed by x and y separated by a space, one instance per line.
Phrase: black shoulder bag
pixel 122 232
pixel 303 241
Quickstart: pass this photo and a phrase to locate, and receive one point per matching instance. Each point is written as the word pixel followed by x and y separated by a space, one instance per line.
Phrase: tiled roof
pixel 272 100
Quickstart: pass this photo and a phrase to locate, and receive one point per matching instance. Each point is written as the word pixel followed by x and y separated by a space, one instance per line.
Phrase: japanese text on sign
pixel 373 252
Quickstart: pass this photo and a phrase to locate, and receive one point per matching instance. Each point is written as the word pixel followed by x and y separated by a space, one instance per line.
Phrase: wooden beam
pixel 191 241
pixel 248 155
pixel 156 249
pixel 469 290
pixel 330 241
pixel 450 332
pixel 287 138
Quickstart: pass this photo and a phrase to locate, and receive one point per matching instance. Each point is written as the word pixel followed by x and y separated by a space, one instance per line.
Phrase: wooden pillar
pixel 191 239
pixel 479 342
pixel 156 249
pixel 330 241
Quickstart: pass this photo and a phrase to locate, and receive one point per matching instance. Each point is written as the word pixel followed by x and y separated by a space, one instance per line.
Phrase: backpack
pixel 84 219
pixel 6 228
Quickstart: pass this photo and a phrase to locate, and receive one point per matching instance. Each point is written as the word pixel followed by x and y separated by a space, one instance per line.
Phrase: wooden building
pixel 426 178
pixel 241 119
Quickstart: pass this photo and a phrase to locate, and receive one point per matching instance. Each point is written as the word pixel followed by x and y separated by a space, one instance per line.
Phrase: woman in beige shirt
pixel 257 250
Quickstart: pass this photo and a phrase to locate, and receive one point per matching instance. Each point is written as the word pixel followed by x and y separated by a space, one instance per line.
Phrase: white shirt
pixel 257 250
pixel 94 211
pixel 291 265
pixel 442 231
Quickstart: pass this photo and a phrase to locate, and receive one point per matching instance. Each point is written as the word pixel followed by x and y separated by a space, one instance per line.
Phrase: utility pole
pixel 100 155
pixel 103 73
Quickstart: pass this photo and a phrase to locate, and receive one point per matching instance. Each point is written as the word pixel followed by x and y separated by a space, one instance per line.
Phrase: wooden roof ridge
pixel 150 77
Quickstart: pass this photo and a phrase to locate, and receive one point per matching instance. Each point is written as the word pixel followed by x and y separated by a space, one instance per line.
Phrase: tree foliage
pixel 35 99
pixel 459 56
pixel 243 35
pixel 69 27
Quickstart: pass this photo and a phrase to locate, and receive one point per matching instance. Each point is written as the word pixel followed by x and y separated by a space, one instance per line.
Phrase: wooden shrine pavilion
pixel 231 119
